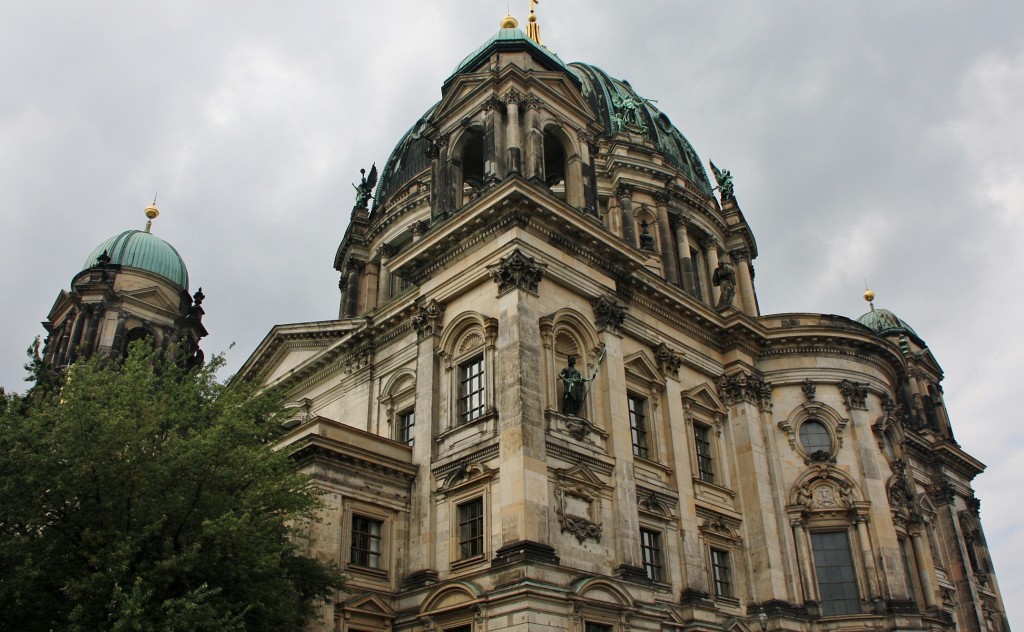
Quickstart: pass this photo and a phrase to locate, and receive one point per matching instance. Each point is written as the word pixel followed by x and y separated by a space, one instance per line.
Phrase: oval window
pixel 814 437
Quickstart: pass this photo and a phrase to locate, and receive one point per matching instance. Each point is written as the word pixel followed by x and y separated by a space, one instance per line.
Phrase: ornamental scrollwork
pixel 809 389
pixel 745 387
pixel 517 271
pixel 855 394
pixel 608 313
pixel 669 361
pixel 427 319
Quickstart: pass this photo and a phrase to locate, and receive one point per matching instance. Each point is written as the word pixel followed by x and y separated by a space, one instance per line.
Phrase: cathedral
pixel 549 400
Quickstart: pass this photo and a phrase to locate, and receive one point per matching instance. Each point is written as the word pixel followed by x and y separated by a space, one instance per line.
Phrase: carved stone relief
pixel 741 387
pixel 608 313
pixel 517 271
pixel 427 319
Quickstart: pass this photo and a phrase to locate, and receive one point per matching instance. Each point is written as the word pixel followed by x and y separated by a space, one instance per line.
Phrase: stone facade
pixel 727 470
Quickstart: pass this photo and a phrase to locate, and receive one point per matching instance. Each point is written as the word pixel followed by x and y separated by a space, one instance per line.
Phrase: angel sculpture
pixel 364 188
pixel 724 180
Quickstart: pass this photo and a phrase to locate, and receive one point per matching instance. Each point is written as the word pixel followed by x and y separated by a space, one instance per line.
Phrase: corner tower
pixel 132 286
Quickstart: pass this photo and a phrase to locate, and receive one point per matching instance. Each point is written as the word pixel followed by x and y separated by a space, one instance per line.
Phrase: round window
pixel 814 437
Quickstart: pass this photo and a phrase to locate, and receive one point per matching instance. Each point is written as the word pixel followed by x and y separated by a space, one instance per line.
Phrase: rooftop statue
pixel 724 180
pixel 365 186
pixel 725 279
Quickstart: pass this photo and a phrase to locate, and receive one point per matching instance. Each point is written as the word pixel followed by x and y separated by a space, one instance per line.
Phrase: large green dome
pixel 145 251
pixel 614 104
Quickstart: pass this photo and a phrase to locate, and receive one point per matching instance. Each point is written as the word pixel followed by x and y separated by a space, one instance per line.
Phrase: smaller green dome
pixel 145 251
pixel 882 321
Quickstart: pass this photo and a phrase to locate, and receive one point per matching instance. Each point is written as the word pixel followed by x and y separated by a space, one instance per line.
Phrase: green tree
pixel 136 495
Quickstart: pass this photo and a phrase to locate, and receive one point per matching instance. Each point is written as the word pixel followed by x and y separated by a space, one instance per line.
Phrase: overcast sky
pixel 873 140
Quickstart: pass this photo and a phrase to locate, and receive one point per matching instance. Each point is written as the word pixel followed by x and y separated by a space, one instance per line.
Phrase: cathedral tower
pixel 132 286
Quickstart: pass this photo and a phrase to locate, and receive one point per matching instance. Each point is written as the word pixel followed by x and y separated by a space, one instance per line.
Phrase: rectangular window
pixel 366 540
pixel 837 580
pixel 597 627
pixel 638 424
pixel 705 465
pixel 650 550
pixel 406 424
pixel 471 528
pixel 471 389
pixel 461 628
pixel 721 569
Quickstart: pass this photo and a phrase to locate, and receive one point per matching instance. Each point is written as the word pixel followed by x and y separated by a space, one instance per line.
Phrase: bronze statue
pixel 725 278
pixel 365 186
pixel 724 180
pixel 573 393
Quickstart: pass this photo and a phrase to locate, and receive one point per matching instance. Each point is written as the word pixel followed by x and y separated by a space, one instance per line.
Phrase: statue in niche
pixel 365 186
pixel 725 278
pixel 573 383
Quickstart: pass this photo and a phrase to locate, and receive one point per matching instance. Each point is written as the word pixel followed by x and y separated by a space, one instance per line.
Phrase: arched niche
pixel 562 164
pixel 468 163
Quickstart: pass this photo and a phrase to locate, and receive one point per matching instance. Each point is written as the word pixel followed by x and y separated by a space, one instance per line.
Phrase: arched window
pixel 554 165
pixel 469 165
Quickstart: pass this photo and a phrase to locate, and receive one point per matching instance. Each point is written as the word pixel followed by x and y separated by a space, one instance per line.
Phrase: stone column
pixel 804 559
pixel 716 292
pixel 615 217
pixel 868 556
pixel 384 278
pixel 523 487
pixel 491 125
pixel 534 145
pixel 921 555
pixel 741 258
pixel 749 401
pixel 685 263
pixel 427 323
pixel 625 195
pixel 419 229
pixel 90 333
pixel 609 315
pixel 668 256
pixel 76 336
pixel 352 269
pixel 515 154
pixel 588 149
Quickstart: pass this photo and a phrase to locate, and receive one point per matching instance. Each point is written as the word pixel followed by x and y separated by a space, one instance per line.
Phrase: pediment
pixel 704 396
pixel 370 604
pixel 643 367
pixel 152 296
pixel 581 475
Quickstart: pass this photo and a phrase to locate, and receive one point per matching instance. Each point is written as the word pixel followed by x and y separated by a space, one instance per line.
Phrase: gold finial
pixel 532 28
pixel 152 212
pixel 869 296
pixel 509 22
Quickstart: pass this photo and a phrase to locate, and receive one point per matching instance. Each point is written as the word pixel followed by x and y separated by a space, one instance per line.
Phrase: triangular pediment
pixel 581 475
pixel 370 604
pixel 704 396
pixel 643 367
pixel 152 296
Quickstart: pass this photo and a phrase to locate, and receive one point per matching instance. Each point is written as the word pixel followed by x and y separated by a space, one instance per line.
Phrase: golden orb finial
pixel 509 22
pixel 869 296
pixel 152 212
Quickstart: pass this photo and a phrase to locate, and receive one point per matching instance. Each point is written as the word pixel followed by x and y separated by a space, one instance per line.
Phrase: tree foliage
pixel 136 495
